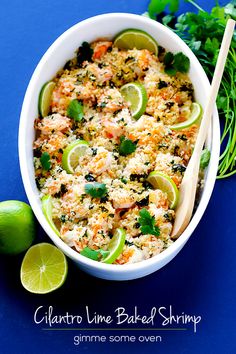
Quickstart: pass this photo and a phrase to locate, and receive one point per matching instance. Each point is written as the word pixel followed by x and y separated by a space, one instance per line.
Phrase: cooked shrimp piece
pixel 97 74
pixel 100 162
pixel 100 49
pixel 131 254
pixel 54 123
pixel 112 128
pixel 122 199
pixel 158 198
pixel 111 100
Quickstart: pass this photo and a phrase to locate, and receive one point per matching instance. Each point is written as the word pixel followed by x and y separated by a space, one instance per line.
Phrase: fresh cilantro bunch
pixel 203 32
pixel 147 223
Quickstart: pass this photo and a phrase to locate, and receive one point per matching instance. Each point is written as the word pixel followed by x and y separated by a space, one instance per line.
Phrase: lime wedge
pixel 71 155
pixel 44 269
pixel 163 182
pixel 116 246
pixel 47 210
pixel 45 98
pixel 196 113
pixel 135 94
pixel 134 38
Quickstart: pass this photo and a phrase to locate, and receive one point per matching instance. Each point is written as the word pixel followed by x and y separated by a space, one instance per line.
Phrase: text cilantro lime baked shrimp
pixel 108 155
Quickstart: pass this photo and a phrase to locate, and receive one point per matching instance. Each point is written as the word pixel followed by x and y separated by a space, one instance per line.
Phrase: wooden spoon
pixel 189 183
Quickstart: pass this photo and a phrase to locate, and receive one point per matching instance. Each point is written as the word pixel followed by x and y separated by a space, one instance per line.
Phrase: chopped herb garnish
pixel 161 84
pixel 176 63
pixel 205 158
pixel 94 254
pixel 89 178
pixel 85 53
pixel 127 146
pixel 45 161
pixel 177 167
pixel 147 223
pixel 75 110
pixel 96 190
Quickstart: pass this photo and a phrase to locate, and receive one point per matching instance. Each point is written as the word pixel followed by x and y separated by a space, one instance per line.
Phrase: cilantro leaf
pixel 127 146
pixel 85 53
pixel 147 223
pixel 45 161
pixel 205 158
pixel 176 62
pixel 181 63
pixel 96 189
pixel 94 254
pixel 75 110
pixel 157 6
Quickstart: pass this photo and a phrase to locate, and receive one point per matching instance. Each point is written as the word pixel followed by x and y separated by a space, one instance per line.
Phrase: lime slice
pixel 47 210
pixel 134 38
pixel 135 94
pixel 45 98
pixel 44 269
pixel 71 155
pixel 116 246
pixel 163 182
pixel 196 113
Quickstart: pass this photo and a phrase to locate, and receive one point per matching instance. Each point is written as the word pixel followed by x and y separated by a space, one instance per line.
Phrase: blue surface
pixel 201 280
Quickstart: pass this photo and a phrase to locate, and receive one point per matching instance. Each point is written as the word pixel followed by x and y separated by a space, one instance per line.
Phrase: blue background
pixel 201 280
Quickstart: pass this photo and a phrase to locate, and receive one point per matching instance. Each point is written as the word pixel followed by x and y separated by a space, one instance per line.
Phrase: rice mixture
pixel 85 221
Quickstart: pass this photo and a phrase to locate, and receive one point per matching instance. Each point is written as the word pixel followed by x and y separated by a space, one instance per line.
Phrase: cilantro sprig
pixel 95 189
pixel 94 254
pixel 126 146
pixel 75 110
pixel 147 223
pixel 45 161
pixel 174 63
pixel 203 32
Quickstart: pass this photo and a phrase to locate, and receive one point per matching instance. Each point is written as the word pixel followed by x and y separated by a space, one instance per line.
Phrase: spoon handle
pixel 215 85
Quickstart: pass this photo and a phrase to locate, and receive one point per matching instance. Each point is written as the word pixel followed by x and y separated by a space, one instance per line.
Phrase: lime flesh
pixel 163 182
pixel 135 94
pixel 134 38
pixel 45 97
pixel 44 269
pixel 17 227
pixel 116 246
pixel 196 113
pixel 71 155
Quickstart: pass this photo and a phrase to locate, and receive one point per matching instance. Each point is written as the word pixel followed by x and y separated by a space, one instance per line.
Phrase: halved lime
pixel 135 38
pixel 116 246
pixel 71 155
pixel 44 269
pixel 45 97
pixel 135 94
pixel 163 182
pixel 47 210
pixel 196 113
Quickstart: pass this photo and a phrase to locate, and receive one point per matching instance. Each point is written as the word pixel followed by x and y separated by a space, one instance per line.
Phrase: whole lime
pixel 17 227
